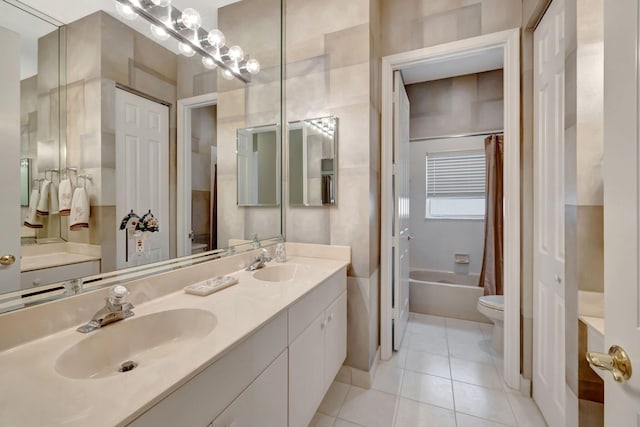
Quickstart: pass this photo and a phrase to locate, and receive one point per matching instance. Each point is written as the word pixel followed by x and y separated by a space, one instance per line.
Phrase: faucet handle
pixel 117 294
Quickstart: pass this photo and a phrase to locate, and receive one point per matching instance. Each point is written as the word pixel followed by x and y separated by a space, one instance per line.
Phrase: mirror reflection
pixel 111 177
pixel 313 145
pixel 259 166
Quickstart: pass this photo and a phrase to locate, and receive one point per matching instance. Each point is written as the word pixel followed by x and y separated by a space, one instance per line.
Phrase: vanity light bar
pixel 195 39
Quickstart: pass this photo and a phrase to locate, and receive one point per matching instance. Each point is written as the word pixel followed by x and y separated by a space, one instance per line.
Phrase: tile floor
pixel 446 374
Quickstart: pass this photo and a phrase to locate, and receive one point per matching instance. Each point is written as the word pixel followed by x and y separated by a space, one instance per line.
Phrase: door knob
pixel 409 237
pixel 7 259
pixel 617 362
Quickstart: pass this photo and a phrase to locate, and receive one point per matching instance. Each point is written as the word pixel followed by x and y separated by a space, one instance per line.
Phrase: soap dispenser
pixel 281 253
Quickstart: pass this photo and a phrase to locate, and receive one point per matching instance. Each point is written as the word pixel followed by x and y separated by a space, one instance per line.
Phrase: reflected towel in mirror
pixel 53 199
pixel 32 219
pixel 65 194
pixel 43 203
pixel 80 210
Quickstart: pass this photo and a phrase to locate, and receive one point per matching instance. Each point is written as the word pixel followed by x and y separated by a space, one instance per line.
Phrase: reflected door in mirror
pixel 258 166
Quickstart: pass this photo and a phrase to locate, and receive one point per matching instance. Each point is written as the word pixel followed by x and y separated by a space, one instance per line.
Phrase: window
pixel 455 185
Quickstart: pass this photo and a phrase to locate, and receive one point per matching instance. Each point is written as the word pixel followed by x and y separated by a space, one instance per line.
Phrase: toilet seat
pixel 493 302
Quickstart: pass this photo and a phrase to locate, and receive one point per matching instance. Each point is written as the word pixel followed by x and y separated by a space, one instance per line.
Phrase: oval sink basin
pixel 141 340
pixel 277 273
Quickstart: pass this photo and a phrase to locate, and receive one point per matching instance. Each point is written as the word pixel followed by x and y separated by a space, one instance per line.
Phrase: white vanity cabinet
pixel 262 383
pixel 317 346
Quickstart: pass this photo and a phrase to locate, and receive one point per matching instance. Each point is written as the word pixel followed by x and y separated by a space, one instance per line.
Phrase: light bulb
pixel 227 75
pixel 216 38
pixel 186 50
pixel 161 3
pixel 159 33
pixel 236 53
pixel 191 19
pixel 253 66
pixel 208 63
pixel 126 11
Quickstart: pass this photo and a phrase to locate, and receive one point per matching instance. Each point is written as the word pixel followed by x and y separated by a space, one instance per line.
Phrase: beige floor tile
pixel 371 408
pixel 470 347
pixel 428 344
pixel 416 414
pixel 465 420
pixel 334 398
pixel 525 410
pixel 388 379
pixel 427 363
pixel 322 420
pixel 343 423
pixel 427 389
pixel 468 371
pixel 483 403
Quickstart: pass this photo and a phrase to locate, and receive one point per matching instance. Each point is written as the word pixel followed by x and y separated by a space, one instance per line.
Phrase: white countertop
pixel 34 394
pixel 54 259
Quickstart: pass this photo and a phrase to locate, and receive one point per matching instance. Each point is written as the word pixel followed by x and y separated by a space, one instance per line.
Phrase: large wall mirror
pixel 313 144
pixel 128 130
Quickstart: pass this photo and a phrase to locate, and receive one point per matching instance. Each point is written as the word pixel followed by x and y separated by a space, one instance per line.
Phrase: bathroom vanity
pixel 262 352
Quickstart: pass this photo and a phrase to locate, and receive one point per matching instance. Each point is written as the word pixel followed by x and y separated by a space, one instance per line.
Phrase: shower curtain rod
pixel 461 135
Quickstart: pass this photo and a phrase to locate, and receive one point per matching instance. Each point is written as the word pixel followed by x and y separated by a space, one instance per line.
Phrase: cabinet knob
pixel 323 324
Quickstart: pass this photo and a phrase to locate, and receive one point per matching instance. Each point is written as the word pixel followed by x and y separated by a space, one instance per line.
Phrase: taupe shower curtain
pixel 492 260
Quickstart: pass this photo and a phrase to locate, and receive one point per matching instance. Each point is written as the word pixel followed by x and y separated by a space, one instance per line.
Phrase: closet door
pixel 549 383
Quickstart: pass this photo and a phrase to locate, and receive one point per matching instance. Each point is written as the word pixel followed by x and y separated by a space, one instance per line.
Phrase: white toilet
pixel 492 306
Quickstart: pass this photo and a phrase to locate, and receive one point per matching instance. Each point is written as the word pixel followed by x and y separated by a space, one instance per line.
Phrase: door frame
pixel 183 153
pixel 509 42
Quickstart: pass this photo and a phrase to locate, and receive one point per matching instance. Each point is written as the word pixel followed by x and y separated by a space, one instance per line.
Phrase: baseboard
pixel 525 386
pixel 358 377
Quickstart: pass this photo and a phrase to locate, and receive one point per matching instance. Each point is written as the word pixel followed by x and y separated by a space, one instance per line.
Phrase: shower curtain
pixel 491 273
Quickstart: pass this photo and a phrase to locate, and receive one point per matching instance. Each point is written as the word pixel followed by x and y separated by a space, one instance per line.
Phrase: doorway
pixel 197 174
pixel 443 61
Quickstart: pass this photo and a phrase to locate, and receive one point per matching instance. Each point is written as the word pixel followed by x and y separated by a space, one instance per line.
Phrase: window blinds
pixel 456 174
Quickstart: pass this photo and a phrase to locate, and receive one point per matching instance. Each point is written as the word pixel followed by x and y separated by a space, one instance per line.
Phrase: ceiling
pixel 31 28
pixel 477 62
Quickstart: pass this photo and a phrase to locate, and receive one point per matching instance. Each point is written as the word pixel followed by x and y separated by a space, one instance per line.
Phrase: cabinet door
pixel 263 403
pixel 306 373
pixel 335 338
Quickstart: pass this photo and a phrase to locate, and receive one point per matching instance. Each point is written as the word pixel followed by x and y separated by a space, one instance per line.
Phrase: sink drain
pixel 127 366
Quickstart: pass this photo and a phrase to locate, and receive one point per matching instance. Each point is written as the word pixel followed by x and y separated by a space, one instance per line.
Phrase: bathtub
pixel 445 294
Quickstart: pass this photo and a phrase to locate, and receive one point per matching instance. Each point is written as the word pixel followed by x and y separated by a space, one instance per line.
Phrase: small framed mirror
pixel 258 157
pixel 313 148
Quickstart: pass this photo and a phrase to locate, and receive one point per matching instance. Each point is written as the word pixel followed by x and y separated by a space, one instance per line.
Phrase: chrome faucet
pixel 115 309
pixel 260 260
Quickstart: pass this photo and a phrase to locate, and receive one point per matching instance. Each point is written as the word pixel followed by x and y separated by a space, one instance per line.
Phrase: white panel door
pixel 549 390
pixel 622 205
pixel 401 236
pixel 10 163
pixel 142 178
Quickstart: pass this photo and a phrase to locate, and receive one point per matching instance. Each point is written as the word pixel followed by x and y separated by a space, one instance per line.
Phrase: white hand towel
pixel 80 210
pixel 32 219
pixel 53 199
pixel 43 203
pixel 65 194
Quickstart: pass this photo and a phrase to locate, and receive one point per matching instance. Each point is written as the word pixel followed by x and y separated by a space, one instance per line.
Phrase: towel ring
pixel 39 181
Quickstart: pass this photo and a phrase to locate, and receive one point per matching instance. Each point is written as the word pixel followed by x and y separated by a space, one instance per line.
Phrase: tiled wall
pixel 331 52
pixel 413 24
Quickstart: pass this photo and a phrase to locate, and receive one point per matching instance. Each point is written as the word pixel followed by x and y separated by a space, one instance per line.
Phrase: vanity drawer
pixel 204 397
pixel 46 276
